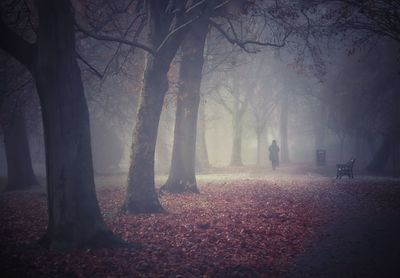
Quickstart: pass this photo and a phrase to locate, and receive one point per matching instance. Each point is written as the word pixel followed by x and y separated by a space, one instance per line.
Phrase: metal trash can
pixel 321 157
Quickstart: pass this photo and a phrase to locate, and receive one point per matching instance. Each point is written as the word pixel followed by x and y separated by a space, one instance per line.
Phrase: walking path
pixel 361 237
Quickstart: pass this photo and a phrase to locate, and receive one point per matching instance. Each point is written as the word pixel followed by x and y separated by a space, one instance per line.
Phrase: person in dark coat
pixel 274 154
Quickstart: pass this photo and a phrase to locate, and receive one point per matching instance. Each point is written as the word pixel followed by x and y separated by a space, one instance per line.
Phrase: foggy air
pixel 201 138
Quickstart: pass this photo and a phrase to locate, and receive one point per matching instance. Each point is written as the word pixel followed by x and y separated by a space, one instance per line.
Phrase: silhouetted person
pixel 274 154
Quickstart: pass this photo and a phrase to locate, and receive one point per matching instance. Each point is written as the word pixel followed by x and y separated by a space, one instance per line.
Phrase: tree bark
pixel 202 161
pixel 236 158
pixel 381 157
pixel 19 164
pixel 284 128
pixel 258 135
pixel 388 148
pixel 262 150
pixel 390 144
pixel 182 177
pixel 74 215
pixel 141 194
pixel 320 127
pixel 370 140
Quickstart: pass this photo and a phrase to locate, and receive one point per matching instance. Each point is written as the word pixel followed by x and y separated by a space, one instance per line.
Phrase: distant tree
pixel 319 125
pixel 236 106
pixel 368 22
pixel 111 73
pixel 262 106
pixel 283 127
pixel 16 84
pixel 202 161
pixel 362 18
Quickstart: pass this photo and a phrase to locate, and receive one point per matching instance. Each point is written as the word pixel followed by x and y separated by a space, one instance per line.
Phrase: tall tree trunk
pixel 258 135
pixel 320 127
pixel 163 150
pixel 357 150
pixel 370 140
pixel 382 155
pixel 396 131
pixel 390 144
pixel 182 175
pixel 141 194
pixel 202 161
pixel 284 128
pixel 236 156
pixel 19 163
pixel 74 215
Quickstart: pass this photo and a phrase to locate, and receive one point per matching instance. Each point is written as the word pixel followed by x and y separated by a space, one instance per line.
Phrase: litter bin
pixel 321 157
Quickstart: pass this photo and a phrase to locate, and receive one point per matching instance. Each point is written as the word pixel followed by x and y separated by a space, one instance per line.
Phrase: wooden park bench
pixel 345 169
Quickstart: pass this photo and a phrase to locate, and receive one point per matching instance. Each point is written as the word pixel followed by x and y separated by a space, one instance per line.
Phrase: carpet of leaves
pixel 247 228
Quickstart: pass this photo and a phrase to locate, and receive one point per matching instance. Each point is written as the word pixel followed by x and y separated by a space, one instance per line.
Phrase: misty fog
pixel 228 137
pixel 342 102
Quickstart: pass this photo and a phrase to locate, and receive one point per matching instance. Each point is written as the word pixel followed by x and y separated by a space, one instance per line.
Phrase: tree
pixel 15 89
pixel 107 147
pixel 19 164
pixel 389 147
pixel 182 173
pixel 283 127
pixel 241 95
pixel 365 18
pixel 238 111
pixel 167 22
pixel 74 215
pixel 262 106
pixel 202 162
pixel 319 125
pixel 163 16
pixel 369 22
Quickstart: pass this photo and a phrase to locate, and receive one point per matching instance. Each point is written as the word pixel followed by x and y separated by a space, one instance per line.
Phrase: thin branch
pixel 195 6
pixel 129 4
pixel 102 37
pixel 137 32
pixel 222 4
pixel 92 68
pixel 176 30
pixel 242 44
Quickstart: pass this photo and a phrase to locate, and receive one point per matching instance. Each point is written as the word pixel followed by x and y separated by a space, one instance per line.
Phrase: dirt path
pixel 361 237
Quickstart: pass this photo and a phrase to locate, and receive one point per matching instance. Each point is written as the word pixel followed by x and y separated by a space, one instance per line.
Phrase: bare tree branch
pixel 174 31
pixel 103 37
pixel 92 68
pixel 243 44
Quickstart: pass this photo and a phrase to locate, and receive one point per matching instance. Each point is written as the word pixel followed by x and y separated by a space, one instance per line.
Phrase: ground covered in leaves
pixel 247 227
pixel 236 227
